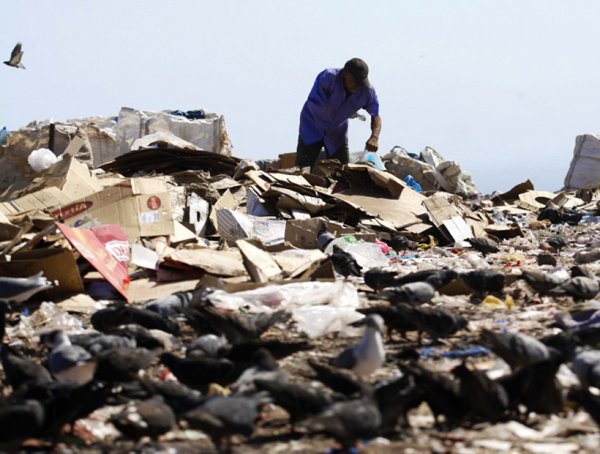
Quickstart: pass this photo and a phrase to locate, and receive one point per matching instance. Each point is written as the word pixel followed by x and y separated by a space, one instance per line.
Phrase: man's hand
pixel 372 144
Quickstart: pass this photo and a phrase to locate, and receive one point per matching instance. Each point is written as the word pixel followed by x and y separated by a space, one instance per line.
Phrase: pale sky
pixel 502 87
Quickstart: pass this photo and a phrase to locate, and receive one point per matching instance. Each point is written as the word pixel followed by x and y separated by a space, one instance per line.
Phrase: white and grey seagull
pixel 368 355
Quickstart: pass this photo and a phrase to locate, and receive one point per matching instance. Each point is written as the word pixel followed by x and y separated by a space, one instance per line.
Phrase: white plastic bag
pixel 41 159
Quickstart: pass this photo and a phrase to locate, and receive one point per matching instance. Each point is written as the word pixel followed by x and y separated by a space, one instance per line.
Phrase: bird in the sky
pixel 15 57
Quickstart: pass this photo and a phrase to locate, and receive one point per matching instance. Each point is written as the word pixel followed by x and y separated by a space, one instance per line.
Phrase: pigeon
pixel 278 348
pixel 209 345
pixel 484 281
pixel 68 362
pixel 483 245
pixel 586 365
pixel 73 402
pixel 265 367
pixel 324 237
pixel 109 319
pixel 580 287
pixel 378 278
pixel 535 386
pixel 15 57
pixel 368 355
pixel 175 394
pixel 344 263
pixel 582 270
pixel 546 259
pixel 437 323
pixel 198 373
pixel 590 402
pixel 541 282
pixel 222 417
pixel 143 337
pixel 168 306
pixel 411 293
pixel 299 400
pixel 486 399
pixel 21 421
pixel 20 289
pixel 236 327
pixel 149 418
pixel 435 277
pixel 97 342
pixel 394 319
pixel 516 349
pixel 347 422
pixel 441 393
pixel 558 242
pixel 341 381
pixel 123 364
pixel 394 399
pixel 401 243
pixel 18 369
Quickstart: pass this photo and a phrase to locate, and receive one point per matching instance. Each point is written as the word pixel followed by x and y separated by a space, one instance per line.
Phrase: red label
pixel 153 202
pixel 71 210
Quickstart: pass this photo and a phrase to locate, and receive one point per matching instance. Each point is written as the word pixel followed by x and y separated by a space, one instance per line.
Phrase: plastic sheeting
pixel 584 171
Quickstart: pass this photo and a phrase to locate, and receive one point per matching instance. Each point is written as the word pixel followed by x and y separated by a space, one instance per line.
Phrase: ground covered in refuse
pixel 176 226
pixel 519 309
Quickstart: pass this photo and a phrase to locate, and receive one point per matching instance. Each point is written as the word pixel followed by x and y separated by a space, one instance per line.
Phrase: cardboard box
pixel 287 160
pixel 302 233
pixel 141 206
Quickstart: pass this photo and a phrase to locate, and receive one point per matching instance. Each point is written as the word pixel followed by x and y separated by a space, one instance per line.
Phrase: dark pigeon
pixel 344 263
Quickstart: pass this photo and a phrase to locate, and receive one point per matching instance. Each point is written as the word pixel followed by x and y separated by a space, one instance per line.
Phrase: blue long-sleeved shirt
pixel 329 106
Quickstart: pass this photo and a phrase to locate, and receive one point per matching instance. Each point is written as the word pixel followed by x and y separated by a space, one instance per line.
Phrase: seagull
pixel 15 57
pixel 368 355
pixel 69 362
pixel 20 289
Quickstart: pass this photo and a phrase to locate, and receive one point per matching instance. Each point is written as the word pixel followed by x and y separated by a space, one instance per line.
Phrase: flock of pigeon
pixel 227 372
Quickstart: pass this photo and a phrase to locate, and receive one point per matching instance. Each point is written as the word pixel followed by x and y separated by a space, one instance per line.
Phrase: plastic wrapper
pixel 48 317
pixel 319 308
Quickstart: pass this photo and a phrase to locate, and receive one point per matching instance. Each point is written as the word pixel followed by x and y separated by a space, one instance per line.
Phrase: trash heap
pixel 199 300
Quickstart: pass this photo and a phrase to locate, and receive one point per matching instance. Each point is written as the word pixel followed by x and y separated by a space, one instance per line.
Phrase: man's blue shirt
pixel 329 106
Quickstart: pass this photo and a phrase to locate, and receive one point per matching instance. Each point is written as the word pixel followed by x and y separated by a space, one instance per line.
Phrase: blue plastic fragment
pixel 475 350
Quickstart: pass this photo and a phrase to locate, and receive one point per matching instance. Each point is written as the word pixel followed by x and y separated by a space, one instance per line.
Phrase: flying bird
pixel 15 57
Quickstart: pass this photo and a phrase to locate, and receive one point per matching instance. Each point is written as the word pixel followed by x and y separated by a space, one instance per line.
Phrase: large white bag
pixel 584 172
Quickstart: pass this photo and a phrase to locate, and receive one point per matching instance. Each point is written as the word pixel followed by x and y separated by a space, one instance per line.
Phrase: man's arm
pixel 373 142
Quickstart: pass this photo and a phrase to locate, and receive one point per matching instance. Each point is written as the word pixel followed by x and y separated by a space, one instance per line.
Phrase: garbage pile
pixel 178 297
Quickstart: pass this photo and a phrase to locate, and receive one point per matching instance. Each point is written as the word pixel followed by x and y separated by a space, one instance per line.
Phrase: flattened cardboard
pixel 390 210
pixel 147 289
pixel 141 206
pixel 58 264
pixel 36 201
pixel 443 214
pixel 260 265
pixel 101 258
pixel 221 263
pixel 515 191
pixel 295 262
pixel 227 202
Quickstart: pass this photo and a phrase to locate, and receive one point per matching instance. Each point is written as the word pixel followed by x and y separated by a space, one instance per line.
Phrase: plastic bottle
pixel 3 136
